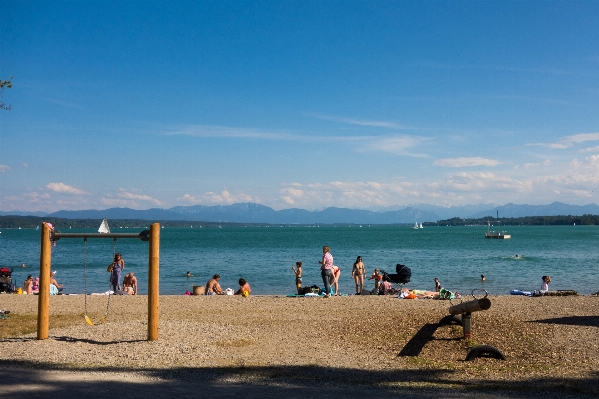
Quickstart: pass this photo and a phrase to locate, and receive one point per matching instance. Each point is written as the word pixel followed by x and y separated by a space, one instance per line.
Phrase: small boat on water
pixel 500 235
pixel 415 227
pixel 421 226
pixel 104 227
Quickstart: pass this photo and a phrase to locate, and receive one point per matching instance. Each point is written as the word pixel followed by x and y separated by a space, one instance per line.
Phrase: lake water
pixel 264 256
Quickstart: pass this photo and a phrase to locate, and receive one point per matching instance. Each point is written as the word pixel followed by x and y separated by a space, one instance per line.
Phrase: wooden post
pixel 471 306
pixel 153 278
pixel 43 302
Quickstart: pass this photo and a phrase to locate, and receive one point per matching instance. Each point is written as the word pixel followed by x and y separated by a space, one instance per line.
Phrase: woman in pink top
pixel 326 269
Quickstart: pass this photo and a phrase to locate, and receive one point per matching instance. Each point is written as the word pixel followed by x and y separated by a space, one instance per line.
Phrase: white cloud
pixel 4 168
pixel 569 141
pixel 536 165
pixel 65 189
pixel 137 197
pixel 590 149
pixel 211 198
pixel 398 145
pixel 464 162
pixel 358 122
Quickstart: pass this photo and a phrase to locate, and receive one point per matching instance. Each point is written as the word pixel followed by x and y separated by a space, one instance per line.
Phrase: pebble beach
pixel 551 344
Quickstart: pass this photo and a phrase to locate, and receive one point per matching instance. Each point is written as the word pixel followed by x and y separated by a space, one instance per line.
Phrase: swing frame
pixel 47 236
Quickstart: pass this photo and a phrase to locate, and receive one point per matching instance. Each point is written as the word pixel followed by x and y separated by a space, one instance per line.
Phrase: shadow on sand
pixel 585 321
pixel 43 380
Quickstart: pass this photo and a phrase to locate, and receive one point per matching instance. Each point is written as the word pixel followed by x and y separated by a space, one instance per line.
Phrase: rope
pixel 87 319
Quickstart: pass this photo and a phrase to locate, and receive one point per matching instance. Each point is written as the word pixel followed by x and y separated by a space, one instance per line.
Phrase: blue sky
pixel 298 104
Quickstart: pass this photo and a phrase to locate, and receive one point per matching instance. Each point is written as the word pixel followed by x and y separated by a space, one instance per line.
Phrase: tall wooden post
pixel 153 277
pixel 43 302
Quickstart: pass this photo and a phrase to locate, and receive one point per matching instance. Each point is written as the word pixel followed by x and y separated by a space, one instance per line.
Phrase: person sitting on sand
pixel 377 277
pixel 334 280
pixel 437 285
pixel 59 287
pixel 36 285
pixel 213 287
pixel 545 284
pixel 298 276
pixel 28 285
pixel 244 288
pixel 130 284
pixel 386 288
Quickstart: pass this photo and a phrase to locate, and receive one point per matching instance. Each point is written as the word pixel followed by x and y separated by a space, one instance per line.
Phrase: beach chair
pixel 401 277
pixel 6 279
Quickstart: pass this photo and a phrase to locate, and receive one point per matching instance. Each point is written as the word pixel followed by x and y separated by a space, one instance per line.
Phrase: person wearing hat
pixel 59 287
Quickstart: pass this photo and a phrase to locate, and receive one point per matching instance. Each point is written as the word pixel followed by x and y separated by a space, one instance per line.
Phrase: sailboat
pixel 104 227
pixel 415 227
pixel 421 226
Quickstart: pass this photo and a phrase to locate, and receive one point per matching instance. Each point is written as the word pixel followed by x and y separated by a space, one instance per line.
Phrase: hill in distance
pixel 256 213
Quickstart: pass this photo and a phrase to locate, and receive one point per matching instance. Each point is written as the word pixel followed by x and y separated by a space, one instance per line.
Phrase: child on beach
pixel 437 285
pixel 298 276
pixel 377 277
pixel 244 288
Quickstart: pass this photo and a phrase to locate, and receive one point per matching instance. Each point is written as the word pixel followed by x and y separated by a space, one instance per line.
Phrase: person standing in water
pixel 326 269
pixel 118 265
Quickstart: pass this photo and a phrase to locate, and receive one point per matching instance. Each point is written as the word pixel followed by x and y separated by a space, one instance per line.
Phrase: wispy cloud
pixel 395 144
pixel 211 198
pixel 359 122
pixel 137 197
pixel 233 132
pixel 65 189
pixel 4 168
pixel 465 162
pixel 398 145
pixel 569 141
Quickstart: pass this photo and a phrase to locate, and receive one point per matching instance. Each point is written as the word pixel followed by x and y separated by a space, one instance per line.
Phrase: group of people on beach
pixel 129 281
pixel 330 274
pixel 214 288
pixel 32 286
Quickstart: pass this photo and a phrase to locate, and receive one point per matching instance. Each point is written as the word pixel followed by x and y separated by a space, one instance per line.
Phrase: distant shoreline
pixel 31 222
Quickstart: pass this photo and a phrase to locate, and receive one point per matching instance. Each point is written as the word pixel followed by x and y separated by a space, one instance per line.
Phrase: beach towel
pixel 53 290
pixel 520 292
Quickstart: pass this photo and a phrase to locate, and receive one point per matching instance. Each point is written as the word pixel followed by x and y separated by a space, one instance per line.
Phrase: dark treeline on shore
pixel 589 220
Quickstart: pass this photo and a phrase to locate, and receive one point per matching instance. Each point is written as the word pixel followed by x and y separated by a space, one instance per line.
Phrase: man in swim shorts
pixel 213 287
pixel 130 284
pixel 298 276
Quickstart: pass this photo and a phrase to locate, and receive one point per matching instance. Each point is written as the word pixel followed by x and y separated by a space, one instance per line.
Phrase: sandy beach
pixel 279 346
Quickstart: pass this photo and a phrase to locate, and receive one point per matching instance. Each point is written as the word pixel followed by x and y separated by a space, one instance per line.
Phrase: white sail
pixel 104 227
pixel 421 226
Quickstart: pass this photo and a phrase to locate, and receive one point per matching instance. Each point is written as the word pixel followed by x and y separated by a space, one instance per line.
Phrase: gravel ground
pixel 383 344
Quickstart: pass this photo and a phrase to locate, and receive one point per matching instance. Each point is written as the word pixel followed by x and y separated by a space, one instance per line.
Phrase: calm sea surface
pixel 264 256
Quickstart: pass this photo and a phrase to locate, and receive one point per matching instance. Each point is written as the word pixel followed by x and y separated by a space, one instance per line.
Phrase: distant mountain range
pixel 256 213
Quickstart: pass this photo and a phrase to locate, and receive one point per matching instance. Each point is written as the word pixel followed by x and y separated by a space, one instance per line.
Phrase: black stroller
pixel 403 276
pixel 6 280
